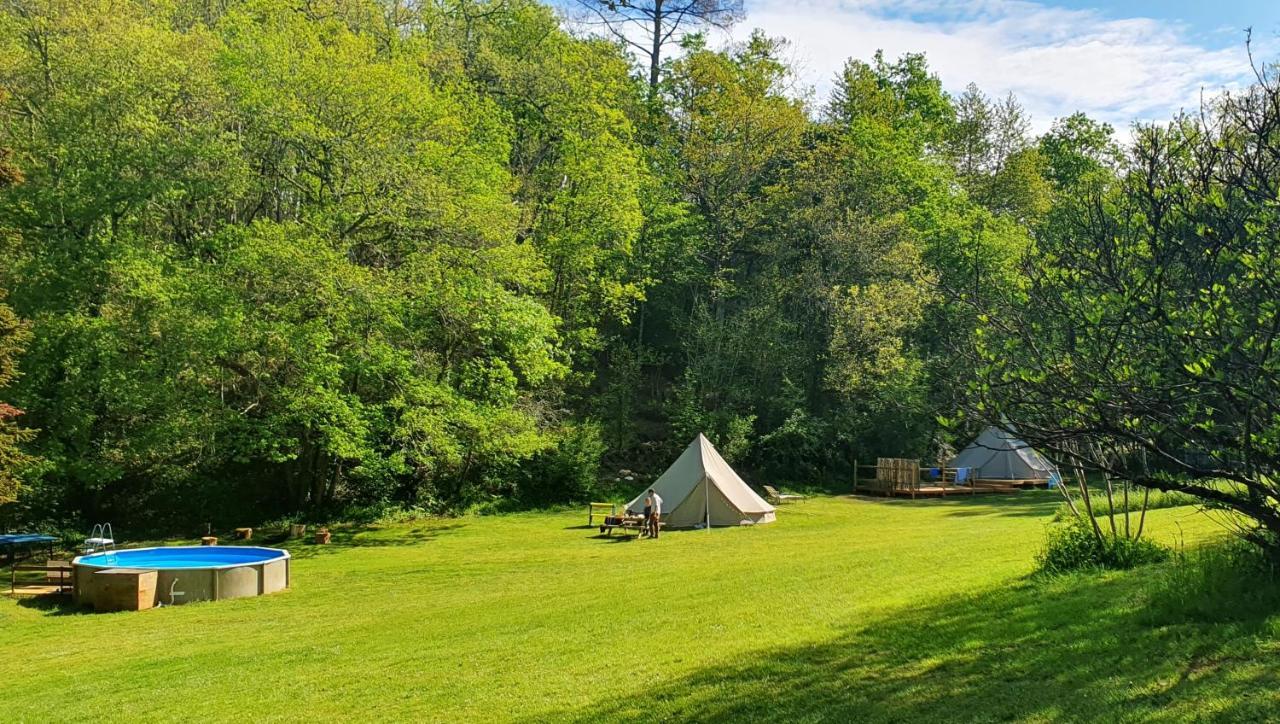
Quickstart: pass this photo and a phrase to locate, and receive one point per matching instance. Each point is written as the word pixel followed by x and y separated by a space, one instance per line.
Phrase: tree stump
pixel 209 540
pixel 244 533
pixel 322 536
pixel 297 530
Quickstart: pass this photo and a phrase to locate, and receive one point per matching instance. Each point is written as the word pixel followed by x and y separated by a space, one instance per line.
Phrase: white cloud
pixel 1056 60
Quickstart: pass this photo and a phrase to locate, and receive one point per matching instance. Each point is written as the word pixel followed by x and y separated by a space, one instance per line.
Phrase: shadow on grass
pixel 616 538
pixel 1075 649
pixel 54 605
pixel 366 536
pixel 1030 504
pixel 1018 505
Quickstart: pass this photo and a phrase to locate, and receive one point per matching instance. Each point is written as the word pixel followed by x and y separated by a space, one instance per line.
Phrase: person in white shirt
pixel 655 513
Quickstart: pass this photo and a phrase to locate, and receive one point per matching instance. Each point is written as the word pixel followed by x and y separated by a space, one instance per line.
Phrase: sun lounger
pixel 777 497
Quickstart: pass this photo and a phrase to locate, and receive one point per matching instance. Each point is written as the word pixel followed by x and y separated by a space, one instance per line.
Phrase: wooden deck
pixel 1015 484
pixel 939 491
pixel 38 589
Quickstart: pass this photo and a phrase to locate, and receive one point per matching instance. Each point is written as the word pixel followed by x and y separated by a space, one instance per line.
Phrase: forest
pixel 268 257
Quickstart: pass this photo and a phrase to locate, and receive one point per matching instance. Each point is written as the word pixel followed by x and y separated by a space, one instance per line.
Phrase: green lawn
pixel 844 609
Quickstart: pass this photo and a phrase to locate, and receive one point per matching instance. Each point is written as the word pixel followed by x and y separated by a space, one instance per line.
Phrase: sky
pixel 1120 62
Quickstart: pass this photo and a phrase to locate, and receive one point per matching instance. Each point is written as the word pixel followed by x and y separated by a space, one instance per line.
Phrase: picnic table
pixel 625 522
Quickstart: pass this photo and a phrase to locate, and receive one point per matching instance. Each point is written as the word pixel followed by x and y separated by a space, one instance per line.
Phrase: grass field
pixel 845 609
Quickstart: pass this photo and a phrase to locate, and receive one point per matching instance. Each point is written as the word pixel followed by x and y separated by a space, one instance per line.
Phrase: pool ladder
pixel 101 540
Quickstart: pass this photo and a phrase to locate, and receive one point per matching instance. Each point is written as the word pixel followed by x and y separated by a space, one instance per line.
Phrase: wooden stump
pixel 297 530
pixel 209 540
pixel 322 536
pixel 244 533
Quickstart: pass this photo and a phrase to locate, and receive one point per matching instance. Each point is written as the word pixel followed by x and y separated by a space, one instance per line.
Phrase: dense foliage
pixel 277 256
pixel 14 334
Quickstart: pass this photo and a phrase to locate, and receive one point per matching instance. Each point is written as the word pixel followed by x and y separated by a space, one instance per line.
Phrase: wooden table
pixel 27 541
pixel 625 522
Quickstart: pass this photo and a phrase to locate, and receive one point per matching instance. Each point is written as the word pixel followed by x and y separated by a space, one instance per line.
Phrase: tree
pixel 13 336
pixel 1149 325
pixel 971 143
pixel 902 94
pixel 659 24
pixel 990 149
pixel 735 132
pixel 1077 147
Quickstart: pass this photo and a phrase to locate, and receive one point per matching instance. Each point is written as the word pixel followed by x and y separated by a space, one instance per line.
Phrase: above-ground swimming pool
pixel 185 574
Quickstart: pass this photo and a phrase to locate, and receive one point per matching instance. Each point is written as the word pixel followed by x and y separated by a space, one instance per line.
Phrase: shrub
pixel 567 473
pixel 1073 546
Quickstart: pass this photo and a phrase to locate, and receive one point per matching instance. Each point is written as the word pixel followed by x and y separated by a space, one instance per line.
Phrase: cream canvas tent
pixel 700 487
pixel 999 455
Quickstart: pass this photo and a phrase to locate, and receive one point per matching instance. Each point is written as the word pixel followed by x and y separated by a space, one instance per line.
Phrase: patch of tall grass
pixel 1072 546
pixel 1229 581
pixel 1098 501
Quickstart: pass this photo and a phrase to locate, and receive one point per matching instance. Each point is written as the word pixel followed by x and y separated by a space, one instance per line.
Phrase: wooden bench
pixel 58 579
pixel 778 498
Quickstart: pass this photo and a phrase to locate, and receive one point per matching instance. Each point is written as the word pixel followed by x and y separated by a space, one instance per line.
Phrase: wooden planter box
pixel 297 530
pixel 123 589
pixel 322 536
pixel 209 540
pixel 244 533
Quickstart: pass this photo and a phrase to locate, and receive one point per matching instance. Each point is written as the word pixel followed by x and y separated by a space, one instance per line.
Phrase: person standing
pixel 655 513
pixel 648 513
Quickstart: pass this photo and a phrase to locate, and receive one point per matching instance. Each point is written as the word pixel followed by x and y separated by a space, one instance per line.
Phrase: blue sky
pixel 1120 61
pixel 1207 14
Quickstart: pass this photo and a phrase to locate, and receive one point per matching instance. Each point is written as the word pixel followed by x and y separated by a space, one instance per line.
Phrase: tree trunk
pixel 655 51
pixel 318 478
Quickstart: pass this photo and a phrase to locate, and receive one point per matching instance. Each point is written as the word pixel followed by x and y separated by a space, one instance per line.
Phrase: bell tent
pixel 999 455
pixel 701 488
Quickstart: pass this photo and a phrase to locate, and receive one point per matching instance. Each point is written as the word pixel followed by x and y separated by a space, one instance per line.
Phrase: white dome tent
pixel 700 488
pixel 1000 455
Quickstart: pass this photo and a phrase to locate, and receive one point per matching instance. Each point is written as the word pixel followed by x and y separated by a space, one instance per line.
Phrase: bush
pixel 567 473
pixel 1073 546
pixel 1231 581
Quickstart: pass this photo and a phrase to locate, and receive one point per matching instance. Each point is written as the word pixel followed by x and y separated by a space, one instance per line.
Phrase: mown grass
pixel 845 609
